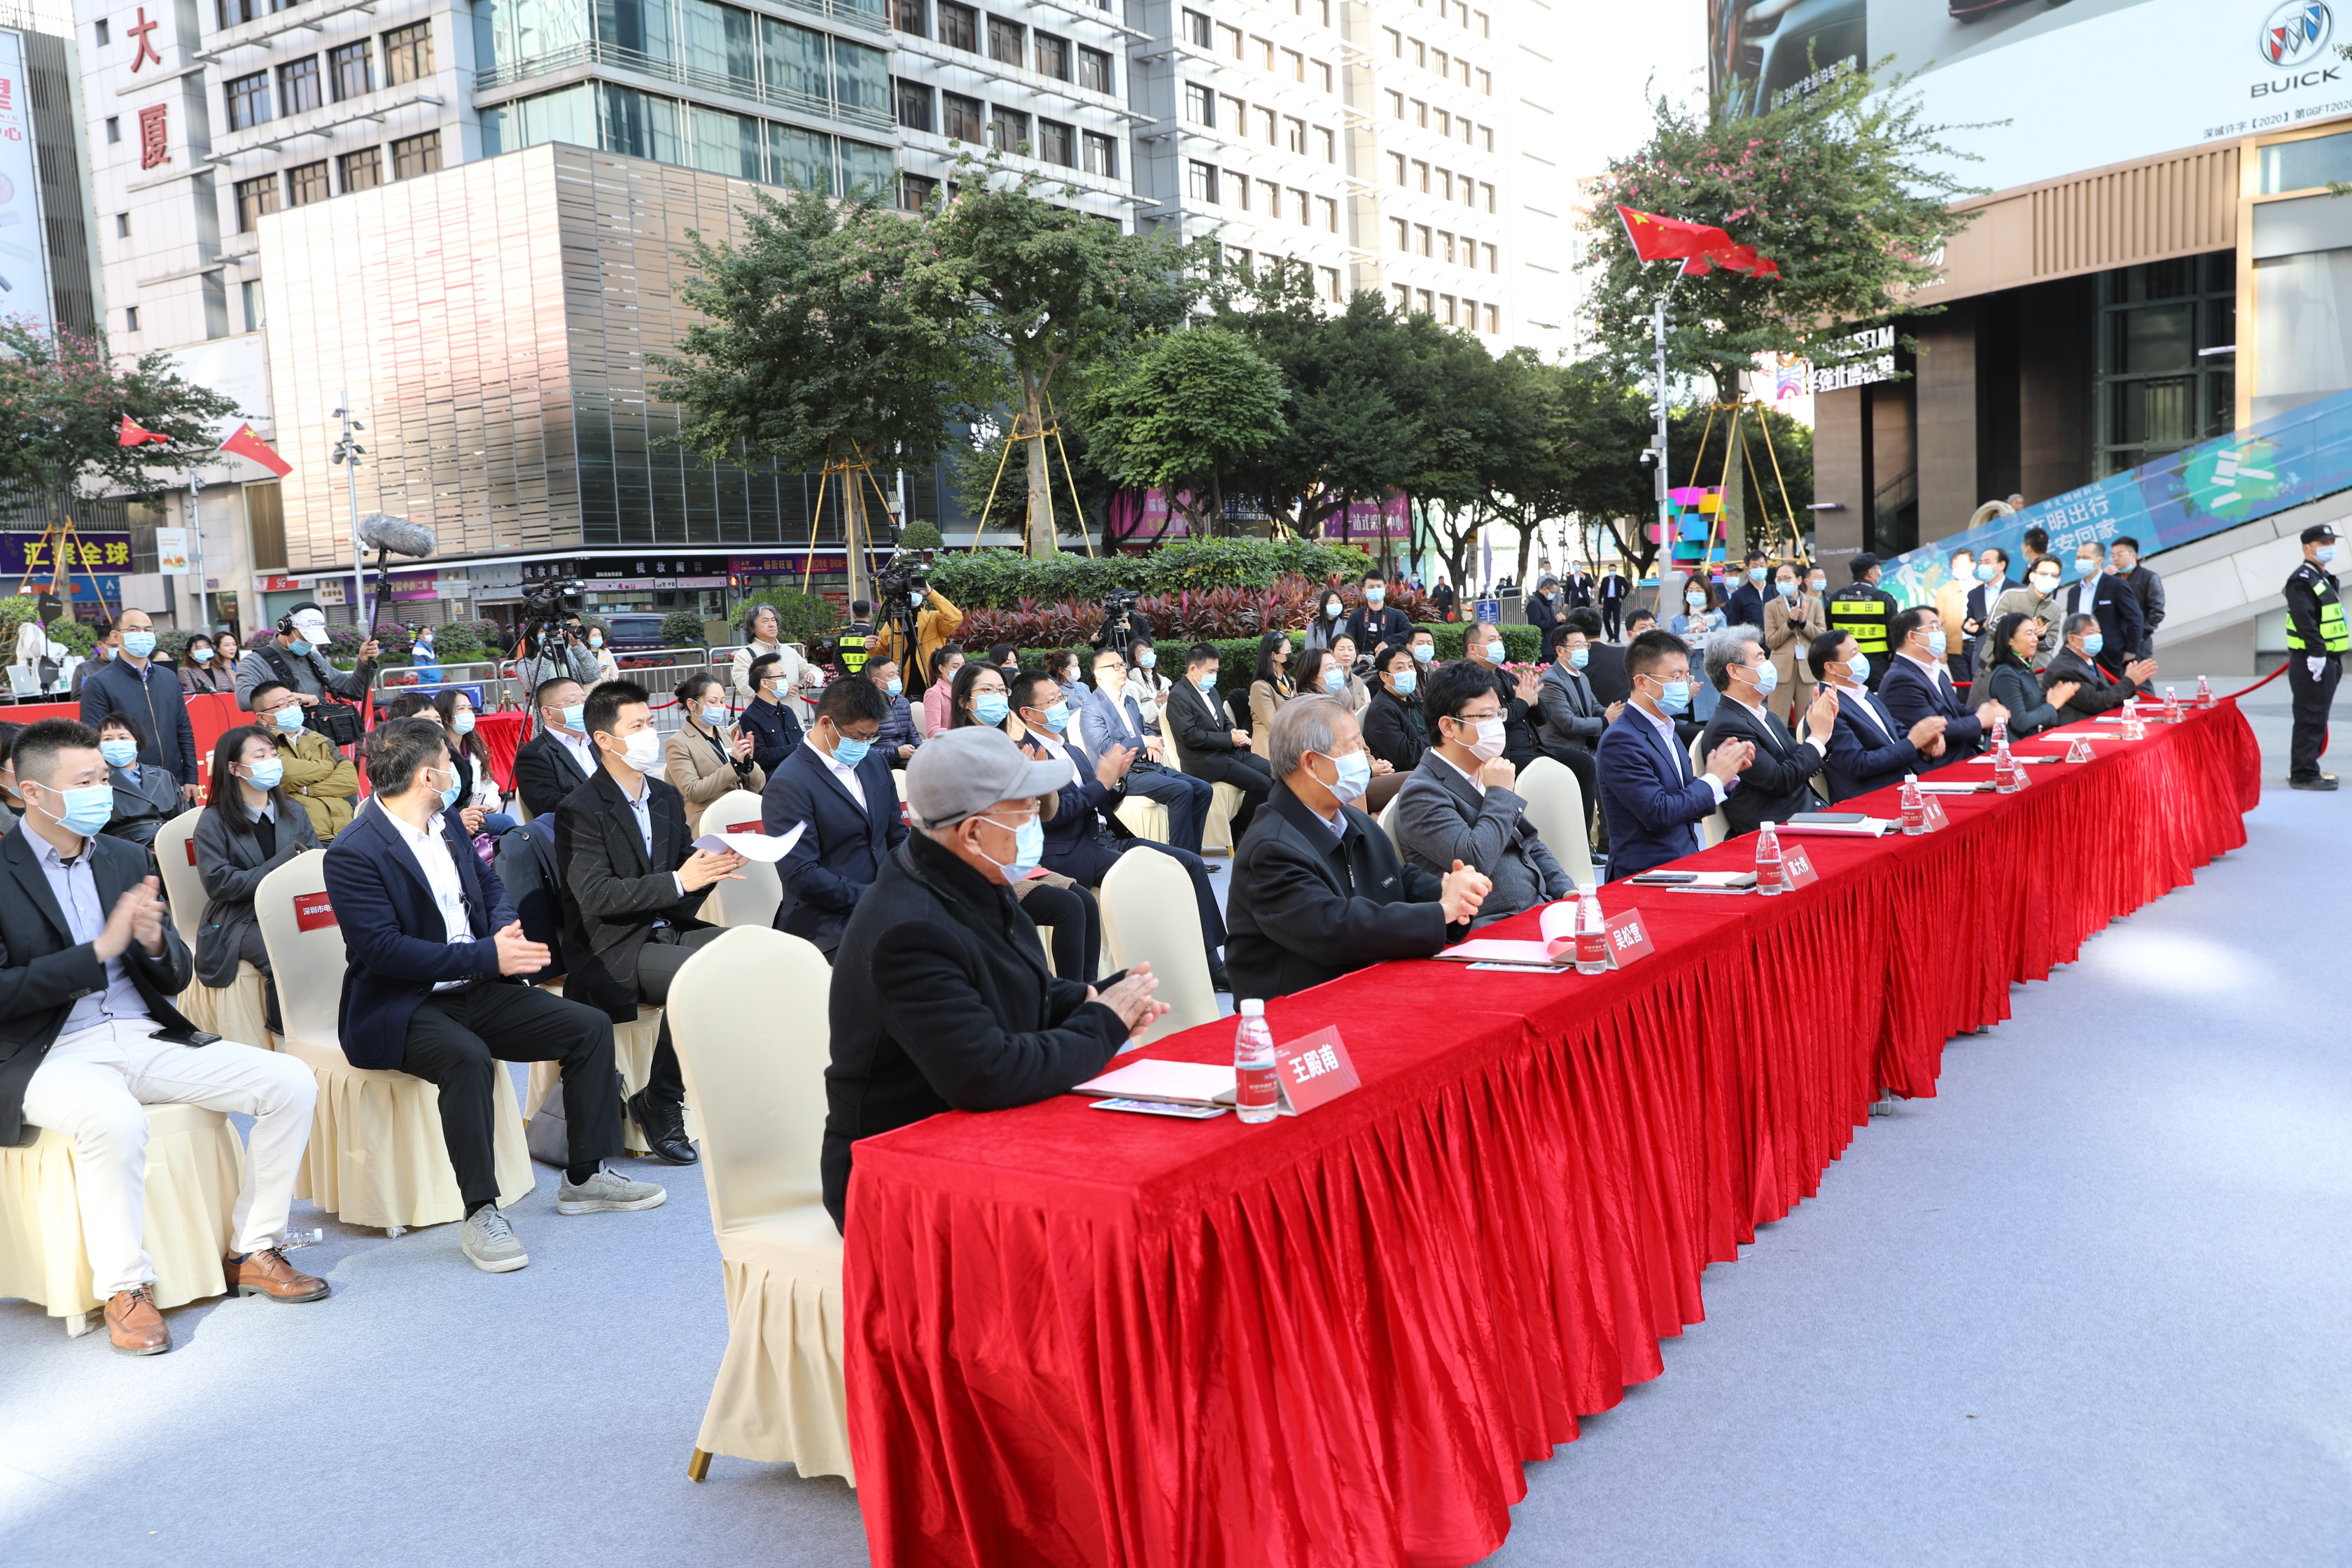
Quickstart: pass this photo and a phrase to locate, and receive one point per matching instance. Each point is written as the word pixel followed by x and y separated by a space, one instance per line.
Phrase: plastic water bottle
pixel 1258 1092
pixel 2007 777
pixel 2001 735
pixel 1771 876
pixel 2171 706
pixel 1592 935
pixel 1915 805
pixel 2204 692
pixel 2131 709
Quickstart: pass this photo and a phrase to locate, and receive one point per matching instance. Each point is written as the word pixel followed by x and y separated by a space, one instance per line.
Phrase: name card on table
pixel 1629 938
pixel 1313 1070
pixel 1798 866
pixel 312 910
pixel 1936 820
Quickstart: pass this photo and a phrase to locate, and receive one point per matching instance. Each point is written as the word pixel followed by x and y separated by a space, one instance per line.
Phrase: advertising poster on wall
pixel 24 259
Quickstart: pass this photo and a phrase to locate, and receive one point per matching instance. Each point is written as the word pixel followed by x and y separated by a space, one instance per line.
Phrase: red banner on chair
pixel 190 844
pixel 312 910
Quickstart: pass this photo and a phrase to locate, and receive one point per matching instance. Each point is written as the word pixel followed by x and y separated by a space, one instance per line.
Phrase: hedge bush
pixel 1002 579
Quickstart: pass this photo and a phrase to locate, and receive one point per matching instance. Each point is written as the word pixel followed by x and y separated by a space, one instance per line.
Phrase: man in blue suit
pixel 433 986
pixel 1919 686
pixel 1649 796
pixel 1744 604
pixel 1868 750
pixel 2099 592
pixel 1113 718
pixel 837 784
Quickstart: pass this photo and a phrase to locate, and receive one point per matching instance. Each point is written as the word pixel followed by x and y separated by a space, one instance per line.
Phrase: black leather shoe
pixel 1218 979
pixel 663 1126
pixel 2319 781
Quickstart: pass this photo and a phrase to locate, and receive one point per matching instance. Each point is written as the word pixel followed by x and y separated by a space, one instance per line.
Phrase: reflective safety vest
pixel 2333 636
pixel 1861 613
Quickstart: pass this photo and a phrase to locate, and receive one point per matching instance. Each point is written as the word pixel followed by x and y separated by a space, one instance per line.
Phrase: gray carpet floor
pixel 2091 1305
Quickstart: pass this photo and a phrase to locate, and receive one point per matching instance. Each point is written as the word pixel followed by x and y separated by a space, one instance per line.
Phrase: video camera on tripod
pixel 1118 621
pixel 544 610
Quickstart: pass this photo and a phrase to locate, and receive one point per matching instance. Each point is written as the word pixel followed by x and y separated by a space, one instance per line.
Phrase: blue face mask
pixel 1028 850
pixel 139 644
pixel 297 646
pixel 1208 685
pixel 1579 659
pixel 2327 553
pixel 267 774
pixel 1988 572
pixel 119 753
pixel 849 752
pixel 1767 679
pixel 575 716
pixel 288 718
pixel 1937 642
pixel 463 723
pixel 1676 696
pixel 1423 651
pixel 1861 668
pixel 714 715
pixel 1355 777
pixel 449 796
pixel 1058 717
pixel 893 685
pixel 1333 679
pixel 1333 612
pixel 1787 589
pixel 1147 658
pixel 990 709
pixel 86 810
pixel 1755 574
pixel 1404 680
pixel 2092 643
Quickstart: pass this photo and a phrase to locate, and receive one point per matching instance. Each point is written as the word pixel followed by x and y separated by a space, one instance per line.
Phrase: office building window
pixel 308 183
pixel 363 170
pixel 300 86
pixel 1058 144
pixel 1095 70
pixel 113 128
pixel 911 17
pixel 1232 113
pixel 255 198
pixel 1485 83
pixel 1008 130
pixel 1228 41
pixel 1196 29
pixel 121 225
pixel 249 100
pixel 1330 283
pixel 1330 213
pixel 1428 302
pixel 1102 154
pixel 1403 298
pixel 415 155
pixel 1201 181
pixel 915 192
pixel 1494 260
pixel 1004 42
pixel 1403 233
pixel 408 54
pixel 233 12
pixel 1397 166
pixel 1330 145
pixel 1053 56
pixel 961 117
pixel 249 293
pixel 101 33
pixel 959 27
pixel 1200 104
pixel 1295 64
pixel 1304 205
pixel 914 106
pixel 1323 74
pixel 1237 256
pixel 130 318
pixel 1494 319
pixel 1444 246
pixel 1295 134
pixel 1396 105
pixel 1265 128
pixel 1271 195
pixel 1421 233
pixel 352 70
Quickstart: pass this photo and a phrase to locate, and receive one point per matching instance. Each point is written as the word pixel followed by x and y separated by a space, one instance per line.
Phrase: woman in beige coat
pixel 1793 617
pixel 707 756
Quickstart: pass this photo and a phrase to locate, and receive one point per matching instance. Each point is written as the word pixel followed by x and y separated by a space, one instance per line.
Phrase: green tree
pixel 1600 423
pixel 62 402
pixel 1180 412
pixel 987 482
pixel 1846 188
pixel 920 534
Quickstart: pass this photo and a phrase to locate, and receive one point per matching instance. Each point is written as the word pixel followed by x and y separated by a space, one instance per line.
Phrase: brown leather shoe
pixel 266 1273
pixel 133 1323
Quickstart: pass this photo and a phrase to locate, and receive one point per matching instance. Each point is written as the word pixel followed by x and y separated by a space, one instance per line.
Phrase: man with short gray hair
pixel 1776 782
pixel 942 999
pixel 1318 891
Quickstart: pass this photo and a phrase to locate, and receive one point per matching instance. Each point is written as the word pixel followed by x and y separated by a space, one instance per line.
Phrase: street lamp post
pixel 349 453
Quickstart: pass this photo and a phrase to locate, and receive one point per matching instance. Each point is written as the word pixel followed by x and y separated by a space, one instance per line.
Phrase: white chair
pixel 1389 825
pixel 238 1012
pixel 1715 827
pixel 1225 799
pixel 1148 912
pixel 779 1398
pixel 752 902
pixel 1144 817
pixel 1556 805
pixel 376 1154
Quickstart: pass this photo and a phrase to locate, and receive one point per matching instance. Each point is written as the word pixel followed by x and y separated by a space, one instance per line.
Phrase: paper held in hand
pixel 752 845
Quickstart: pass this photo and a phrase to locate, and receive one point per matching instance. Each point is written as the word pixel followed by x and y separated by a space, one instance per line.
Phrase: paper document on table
pixel 1868 828
pixel 1496 950
pixel 1941 787
pixel 1178 1083
pixel 752 845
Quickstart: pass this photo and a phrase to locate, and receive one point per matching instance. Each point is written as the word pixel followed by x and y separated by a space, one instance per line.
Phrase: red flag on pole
pixel 1701 247
pixel 245 444
pixel 134 434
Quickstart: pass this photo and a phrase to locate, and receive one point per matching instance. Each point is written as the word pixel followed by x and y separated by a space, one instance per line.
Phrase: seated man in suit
pixel 767 718
pixel 433 986
pixel 1649 794
pixel 2079 659
pixel 632 881
pixel 1919 686
pixel 897 738
pixel 1111 717
pixel 1570 713
pixel 1318 891
pixel 560 758
pixel 1214 746
pixel 2099 591
pixel 836 785
pixel 1458 808
pixel 90 964
pixel 1777 784
pixel 1868 750
pixel 1083 838
pixel 1394 730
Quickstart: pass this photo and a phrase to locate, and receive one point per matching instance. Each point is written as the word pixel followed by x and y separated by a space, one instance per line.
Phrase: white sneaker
pixel 607 1190
pixel 491 1242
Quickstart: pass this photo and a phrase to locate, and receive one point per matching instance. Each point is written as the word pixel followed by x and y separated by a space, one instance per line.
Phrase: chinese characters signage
pixel 154 137
pixel 27 258
pixel 145 33
pixel 100 553
pixel 1859 360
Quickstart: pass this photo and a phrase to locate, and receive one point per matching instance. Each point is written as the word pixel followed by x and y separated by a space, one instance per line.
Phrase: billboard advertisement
pixel 24 256
pixel 2080 83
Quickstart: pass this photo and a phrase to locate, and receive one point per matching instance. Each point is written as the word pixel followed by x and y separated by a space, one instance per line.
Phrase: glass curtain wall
pixel 646 125
pixel 2154 391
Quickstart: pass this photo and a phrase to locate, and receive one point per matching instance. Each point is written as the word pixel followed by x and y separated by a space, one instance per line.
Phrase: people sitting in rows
pixel 2099 592
pixel 204 669
pixel 1211 745
pixel 2009 680
pixel 293 657
pixel 1394 730
pixel 1069 669
pixel 434 964
pixel 1651 797
pixel 1318 891
pixel 898 738
pixel 1343 653
pixel 1146 685
pixel 1084 837
pixel 480 806
pixel 2081 661
pixel 838 788
pixel 89 962
pixel 632 881
pixel 763 634
pixel 1777 784
pixel 2038 600
pixel 325 781
pixel 139 685
pixel 942 999
pixel 1519 694
pixel 775 728
pixel 1569 714
pixel 1868 750
pixel 1459 807
pixel 984 697
pixel 1272 688
pixel 707 755
pixel 1919 685
pixel 558 759
pixel 1793 617
pixel 250 827
pixel 1376 622
pixel 938 697
pixel 1328 619
pixel 146 796
pixel 1112 716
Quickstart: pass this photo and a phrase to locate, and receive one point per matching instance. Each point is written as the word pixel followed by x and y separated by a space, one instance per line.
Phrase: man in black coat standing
pixel 1376 621
pixel 942 999
pixel 1745 605
pixel 133 683
pixel 2101 593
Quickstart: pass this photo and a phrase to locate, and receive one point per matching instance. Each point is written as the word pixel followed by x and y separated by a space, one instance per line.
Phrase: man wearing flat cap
pixel 942 999
pixel 2317 640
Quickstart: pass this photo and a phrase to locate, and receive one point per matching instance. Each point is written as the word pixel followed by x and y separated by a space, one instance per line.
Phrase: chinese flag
pixel 1659 238
pixel 133 432
pixel 245 444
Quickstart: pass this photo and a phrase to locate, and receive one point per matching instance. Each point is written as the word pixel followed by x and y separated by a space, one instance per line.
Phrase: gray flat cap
pixel 966 771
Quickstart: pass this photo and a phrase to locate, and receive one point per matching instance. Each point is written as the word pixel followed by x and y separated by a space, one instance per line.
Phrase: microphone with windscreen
pixel 388 536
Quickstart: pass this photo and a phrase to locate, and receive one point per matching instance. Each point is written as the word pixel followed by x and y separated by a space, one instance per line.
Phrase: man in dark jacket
pixel 1461 807
pixel 632 881
pixel 1777 784
pixel 2147 586
pixel 1318 891
pixel 2096 690
pixel 1919 685
pixel 561 758
pixel 1570 713
pixel 1517 693
pixel 1865 612
pixel 1612 590
pixel 2099 592
pixel 132 682
pixel 1868 750
pixel 1393 723
pixel 942 999
pixel 1744 604
pixel 1544 612
pixel 774 729
pixel 1375 621
pixel 1650 796
pixel 837 787
pixel 1211 745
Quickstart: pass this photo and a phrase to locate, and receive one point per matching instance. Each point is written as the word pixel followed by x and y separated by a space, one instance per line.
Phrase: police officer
pixel 1865 612
pixel 2317 640
pixel 856 637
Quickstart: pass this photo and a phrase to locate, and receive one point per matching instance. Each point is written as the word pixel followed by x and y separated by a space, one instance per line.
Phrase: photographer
pixel 906 588
pixel 1124 625
pixel 555 650
pixel 292 659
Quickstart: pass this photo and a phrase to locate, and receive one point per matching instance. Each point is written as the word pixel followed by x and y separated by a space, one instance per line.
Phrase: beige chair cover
pixel 376 1156
pixel 1225 799
pixel 752 902
pixel 239 1012
pixel 1144 817
pixel 1388 825
pixel 1149 913
pixel 779 1396
pixel 1556 805
pixel 632 1053
pixel 1715 827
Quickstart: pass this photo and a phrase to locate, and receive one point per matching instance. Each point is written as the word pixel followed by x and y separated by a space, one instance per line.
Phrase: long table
pixel 1080 1338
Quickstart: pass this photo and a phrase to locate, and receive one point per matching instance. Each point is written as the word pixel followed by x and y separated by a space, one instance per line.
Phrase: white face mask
pixel 644 750
pixel 1488 744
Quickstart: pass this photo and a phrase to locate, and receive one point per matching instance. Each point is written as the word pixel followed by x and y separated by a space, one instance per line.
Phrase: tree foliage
pixel 1180 410
pixel 62 402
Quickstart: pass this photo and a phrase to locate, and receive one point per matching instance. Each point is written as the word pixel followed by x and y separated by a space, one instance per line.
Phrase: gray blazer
pixel 1572 714
pixel 1441 819
pixel 231 866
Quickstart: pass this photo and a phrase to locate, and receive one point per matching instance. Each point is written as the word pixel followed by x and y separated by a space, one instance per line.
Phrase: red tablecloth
pixel 1080 1338
pixel 500 733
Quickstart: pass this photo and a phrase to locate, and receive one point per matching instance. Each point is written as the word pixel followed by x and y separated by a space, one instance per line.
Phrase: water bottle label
pixel 1255 1087
pixel 1592 947
pixel 1768 874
